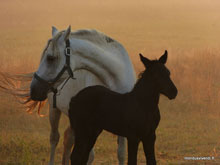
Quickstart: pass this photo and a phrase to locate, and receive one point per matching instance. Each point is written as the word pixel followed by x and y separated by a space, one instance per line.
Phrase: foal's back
pixel 100 107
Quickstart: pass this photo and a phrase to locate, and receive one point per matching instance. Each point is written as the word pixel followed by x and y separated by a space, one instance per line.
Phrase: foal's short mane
pixel 142 72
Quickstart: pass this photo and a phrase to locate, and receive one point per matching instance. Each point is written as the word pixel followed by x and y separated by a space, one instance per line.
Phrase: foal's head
pixel 160 75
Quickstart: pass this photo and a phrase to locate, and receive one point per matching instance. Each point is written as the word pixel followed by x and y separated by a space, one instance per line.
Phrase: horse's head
pixel 160 75
pixel 54 62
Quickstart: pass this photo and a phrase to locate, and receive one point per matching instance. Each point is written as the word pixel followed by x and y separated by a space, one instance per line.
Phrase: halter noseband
pixel 66 67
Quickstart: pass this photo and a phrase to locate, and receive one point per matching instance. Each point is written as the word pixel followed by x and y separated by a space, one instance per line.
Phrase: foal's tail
pixel 18 85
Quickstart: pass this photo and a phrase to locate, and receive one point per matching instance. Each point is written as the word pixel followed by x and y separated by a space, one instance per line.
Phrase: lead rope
pixel 57 92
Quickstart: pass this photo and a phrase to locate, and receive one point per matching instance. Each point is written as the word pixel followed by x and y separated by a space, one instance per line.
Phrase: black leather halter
pixel 66 67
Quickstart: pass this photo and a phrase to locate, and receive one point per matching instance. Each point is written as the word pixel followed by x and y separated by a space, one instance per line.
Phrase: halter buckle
pixel 67 51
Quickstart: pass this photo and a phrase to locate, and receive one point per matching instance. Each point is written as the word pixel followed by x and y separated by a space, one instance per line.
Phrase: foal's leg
pixel 68 144
pixel 91 142
pixel 132 151
pixel 78 152
pixel 121 149
pixel 148 144
pixel 84 143
pixel 54 116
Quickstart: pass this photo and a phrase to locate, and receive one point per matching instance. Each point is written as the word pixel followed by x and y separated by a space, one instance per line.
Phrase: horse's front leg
pixel 54 116
pixel 121 150
pixel 132 150
pixel 148 144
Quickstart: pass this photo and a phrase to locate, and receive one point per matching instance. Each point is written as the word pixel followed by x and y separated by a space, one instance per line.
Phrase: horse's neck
pixel 102 73
pixel 107 66
pixel 146 92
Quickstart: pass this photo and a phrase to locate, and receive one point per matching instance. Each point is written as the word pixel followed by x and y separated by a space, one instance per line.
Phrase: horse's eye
pixel 50 58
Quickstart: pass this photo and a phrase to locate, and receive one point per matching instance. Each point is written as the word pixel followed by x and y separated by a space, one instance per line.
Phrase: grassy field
pixel 189 30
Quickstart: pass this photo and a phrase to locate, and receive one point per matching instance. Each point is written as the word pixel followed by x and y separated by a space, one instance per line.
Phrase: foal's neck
pixel 146 91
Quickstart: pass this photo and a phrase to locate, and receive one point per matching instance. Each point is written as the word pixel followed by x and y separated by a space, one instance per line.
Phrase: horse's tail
pixel 18 85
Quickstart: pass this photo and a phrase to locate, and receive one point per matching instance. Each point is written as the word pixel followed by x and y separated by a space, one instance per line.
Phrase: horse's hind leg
pixel 54 116
pixel 68 142
pixel 121 150
pixel 91 157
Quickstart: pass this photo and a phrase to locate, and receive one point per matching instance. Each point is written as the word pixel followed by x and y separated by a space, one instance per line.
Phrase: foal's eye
pixel 50 58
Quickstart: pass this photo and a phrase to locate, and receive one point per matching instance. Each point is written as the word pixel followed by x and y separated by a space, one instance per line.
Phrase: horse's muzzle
pixel 38 90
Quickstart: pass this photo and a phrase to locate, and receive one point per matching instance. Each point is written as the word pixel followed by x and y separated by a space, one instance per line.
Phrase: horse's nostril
pixel 38 96
pixel 38 91
pixel 33 94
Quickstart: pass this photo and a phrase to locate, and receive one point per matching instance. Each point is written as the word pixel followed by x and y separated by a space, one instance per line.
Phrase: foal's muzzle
pixel 172 93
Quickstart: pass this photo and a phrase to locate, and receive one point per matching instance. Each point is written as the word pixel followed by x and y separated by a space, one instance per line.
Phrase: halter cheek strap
pixel 66 67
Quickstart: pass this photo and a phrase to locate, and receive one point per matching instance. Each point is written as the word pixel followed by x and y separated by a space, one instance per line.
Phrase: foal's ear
pixel 163 58
pixel 67 33
pixel 54 31
pixel 145 61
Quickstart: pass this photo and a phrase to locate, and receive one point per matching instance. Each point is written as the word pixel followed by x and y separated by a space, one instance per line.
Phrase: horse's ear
pixel 145 61
pixel 67 33
pixel 163 58
pixel 54 31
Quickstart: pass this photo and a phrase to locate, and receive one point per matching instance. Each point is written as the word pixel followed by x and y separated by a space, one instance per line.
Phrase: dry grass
pixel 187 29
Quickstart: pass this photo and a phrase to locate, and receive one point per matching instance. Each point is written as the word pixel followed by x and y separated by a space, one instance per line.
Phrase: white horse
pixel 94 58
